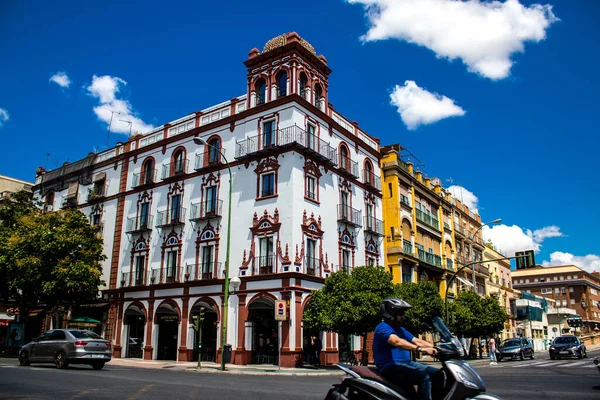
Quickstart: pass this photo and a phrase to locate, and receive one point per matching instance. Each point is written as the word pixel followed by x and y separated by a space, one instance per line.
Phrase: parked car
pixel 67 346
pixel 516 348
pixel 567 346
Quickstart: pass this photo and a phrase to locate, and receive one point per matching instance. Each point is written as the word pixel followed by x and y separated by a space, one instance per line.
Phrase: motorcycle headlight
pixel 466 381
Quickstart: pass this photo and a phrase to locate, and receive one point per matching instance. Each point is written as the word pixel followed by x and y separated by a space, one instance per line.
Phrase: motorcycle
pixel 456 380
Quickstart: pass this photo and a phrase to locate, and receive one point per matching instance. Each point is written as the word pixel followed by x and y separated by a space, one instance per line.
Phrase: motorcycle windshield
pixel 444 332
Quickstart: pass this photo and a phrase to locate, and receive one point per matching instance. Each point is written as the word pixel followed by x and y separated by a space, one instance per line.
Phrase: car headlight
pixel 552 348
pixel 574 348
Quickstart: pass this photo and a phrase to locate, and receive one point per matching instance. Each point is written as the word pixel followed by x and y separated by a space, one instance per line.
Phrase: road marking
pixel 140 392
pixel 578 363
pixel 534 364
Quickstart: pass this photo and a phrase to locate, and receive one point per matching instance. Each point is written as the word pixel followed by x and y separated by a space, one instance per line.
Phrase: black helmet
pixel 389 307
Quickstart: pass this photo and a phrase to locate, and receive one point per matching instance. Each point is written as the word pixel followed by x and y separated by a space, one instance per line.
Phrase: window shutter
pixel 73 188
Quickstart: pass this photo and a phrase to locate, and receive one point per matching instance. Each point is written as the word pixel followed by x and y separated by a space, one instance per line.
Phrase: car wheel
pixel 584 354
pixel 580 356
pixel 98 366
pixel 552 357
pixel 24 359
pixel 521 356
pixel 532 356
pixel 61 360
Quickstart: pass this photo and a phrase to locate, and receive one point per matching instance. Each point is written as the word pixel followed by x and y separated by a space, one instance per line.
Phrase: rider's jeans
pixel 414 373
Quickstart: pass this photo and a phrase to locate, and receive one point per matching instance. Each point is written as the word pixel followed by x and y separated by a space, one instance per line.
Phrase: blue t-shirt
pixel 386 354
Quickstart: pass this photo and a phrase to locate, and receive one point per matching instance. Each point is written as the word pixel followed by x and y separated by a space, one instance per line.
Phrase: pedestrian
pixel 317 346
pixel 392 346
pixel 492 351
pixel 481 347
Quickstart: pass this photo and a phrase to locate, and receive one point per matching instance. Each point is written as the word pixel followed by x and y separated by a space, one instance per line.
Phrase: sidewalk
pixel 211 367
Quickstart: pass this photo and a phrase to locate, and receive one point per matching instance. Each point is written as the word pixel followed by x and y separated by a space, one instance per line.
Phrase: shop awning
pixel 86 320
pixel 464 281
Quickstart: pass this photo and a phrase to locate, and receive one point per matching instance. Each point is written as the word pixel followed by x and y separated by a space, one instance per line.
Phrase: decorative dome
pixel 282 40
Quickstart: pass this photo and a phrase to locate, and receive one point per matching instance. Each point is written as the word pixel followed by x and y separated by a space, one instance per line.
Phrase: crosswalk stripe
pixel 576 364
pixel 535 364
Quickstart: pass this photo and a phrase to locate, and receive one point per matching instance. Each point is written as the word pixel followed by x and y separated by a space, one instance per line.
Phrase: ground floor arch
pixel 167 321
pixel 208 334
pixel 265 331
pixel 135 323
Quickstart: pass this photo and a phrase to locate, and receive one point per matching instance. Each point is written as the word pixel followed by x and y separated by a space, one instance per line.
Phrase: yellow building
pixel 500 287
pixel 427 231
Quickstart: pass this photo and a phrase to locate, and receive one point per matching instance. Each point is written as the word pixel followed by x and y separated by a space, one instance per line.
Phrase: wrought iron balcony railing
pixel 313 266
pixel 290 136
pixel 69 201
pixel 349 215
pixel 208 158
pixel 202 271
pixel 139 224
pixel 407 246
pixel 458 229
pixel 206 210
pixel 428 219
pixel 176 168
pixel 373 225
pixel 264 265
pixel 135 279
pixel 164 275
pixel 371 180
pixel 96 193
pixel 348 167
pixel 430 258
pixel 171 217
pixel 143 178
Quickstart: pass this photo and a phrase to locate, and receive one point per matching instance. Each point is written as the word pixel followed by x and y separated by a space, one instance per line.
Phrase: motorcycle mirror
pixel 425 327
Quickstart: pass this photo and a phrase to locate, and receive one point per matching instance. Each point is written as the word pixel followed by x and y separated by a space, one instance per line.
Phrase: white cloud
pixel 105 89
pixel 590 263
pixel 484 35
pixel 3 116
pixel 510 239
pixel 61 79
pixel 466 197
pixel 418 106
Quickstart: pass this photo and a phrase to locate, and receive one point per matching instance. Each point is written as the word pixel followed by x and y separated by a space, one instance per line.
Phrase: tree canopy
pixel 426 302
pixel 47 258
pixel 474 316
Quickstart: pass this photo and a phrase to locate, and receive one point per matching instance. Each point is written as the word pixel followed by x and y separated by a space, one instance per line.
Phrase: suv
pixel 67 346
pixel 516 348
pixel 567 346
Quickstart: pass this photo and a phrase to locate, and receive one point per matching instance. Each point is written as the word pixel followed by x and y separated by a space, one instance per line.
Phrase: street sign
pixel 280 310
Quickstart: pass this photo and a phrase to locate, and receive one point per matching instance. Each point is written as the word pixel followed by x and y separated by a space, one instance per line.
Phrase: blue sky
pixel 499 99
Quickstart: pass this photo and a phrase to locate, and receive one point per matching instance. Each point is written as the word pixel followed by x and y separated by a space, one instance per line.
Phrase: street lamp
pixel 496 221
pixel 199 141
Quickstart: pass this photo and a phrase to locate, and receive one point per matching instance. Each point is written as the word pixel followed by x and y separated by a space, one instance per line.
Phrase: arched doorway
pixel 208 350
pixel 167 318
pixel 135 318
pixel 265 332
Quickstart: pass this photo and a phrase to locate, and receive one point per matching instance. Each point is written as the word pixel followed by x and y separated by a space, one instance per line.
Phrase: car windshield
pixel 565 340
pixel 84 335
pixel 512 342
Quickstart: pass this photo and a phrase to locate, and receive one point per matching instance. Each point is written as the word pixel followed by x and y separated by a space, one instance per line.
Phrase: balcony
pixel 374 226
pixel 447 226
pixel 69 202
pixel 458 229
pixel 349 215
pixel 313 266
pixel 430 258
pixel 291 136
pixel 371 180
pixel 128 280
pixel 171 217
pixel 449 263
pixel 405 200
pixel 164 275
pixel 206 210
pixel 264 265
pixel 175 169
pixel 125 279
pixel 139 224
pixel 208 158
pixel 202 271
pixel 96 193
pixel 348 167
pixel 142 179
pixel 407 247
pixel 428 219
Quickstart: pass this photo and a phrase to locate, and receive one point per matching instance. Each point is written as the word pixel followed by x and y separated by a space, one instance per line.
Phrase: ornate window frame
pixel 140 247
pixel 265 167
pixel 265 226
pixel 171 242
pixel 312 170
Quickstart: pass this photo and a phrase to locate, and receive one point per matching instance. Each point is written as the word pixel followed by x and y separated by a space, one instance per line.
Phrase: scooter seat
pixel 372 374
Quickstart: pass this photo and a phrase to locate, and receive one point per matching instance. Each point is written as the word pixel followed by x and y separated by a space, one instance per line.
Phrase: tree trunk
pixel 365 354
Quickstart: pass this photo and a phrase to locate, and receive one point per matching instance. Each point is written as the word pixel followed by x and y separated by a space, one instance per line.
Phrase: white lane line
pixel 530 364
pixel 579 363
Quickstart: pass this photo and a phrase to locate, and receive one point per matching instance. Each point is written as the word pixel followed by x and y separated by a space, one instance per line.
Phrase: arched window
pixel 303 86
pixel 260 87
pixel 178 162
pixel 369 178
pixel 214 157
pixel 318 95
pixel 148 172
pixel 344 158
pixel 282 84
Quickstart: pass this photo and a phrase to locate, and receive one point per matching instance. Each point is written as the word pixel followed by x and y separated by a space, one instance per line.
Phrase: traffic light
pixel 201 315
pixel 525 259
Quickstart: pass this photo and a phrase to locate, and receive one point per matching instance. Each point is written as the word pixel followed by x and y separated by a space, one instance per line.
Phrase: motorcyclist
pixel 392 346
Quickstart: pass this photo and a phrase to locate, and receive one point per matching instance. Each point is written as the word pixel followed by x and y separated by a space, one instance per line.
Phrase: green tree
pixel 48 258
pixel 474 316
pixel 349 303
pixel 426 302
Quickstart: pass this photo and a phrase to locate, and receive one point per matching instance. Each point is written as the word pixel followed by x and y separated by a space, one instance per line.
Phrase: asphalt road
pixel 531 379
